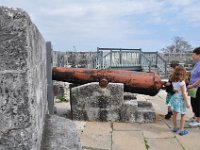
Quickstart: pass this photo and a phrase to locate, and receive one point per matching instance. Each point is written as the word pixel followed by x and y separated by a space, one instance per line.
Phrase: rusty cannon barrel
pixel 135 82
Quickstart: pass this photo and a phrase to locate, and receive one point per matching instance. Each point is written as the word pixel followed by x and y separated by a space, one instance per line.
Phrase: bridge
pixel 130 59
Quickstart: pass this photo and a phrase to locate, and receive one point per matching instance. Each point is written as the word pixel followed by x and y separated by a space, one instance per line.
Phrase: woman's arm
pixel 195 84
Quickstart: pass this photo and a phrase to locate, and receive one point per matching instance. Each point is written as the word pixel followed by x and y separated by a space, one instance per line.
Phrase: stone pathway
pixel 135 136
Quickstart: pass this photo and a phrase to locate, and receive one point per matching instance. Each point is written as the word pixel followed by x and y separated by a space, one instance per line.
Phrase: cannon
pixel 148 83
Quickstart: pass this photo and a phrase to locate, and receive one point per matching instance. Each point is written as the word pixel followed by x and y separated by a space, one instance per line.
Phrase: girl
pixel 178 102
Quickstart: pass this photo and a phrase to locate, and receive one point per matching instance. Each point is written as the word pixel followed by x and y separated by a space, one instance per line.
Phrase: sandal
pixel 175 130
pixel 184 132
pixel 192 119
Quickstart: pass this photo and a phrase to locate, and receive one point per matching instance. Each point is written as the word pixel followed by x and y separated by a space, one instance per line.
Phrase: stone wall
pixel 23 83
pixel 74 59
pixel 60 59
pixel 185 58
pixel 91 102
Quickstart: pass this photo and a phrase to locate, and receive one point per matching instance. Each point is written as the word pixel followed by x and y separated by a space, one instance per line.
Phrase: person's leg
pixel 182 125
pixel 169 109
pixel 182 122
pixel 174 118
pixel 198 111
pixel 169 113
pixel 195 102
pixel 197 106
pixel 193 105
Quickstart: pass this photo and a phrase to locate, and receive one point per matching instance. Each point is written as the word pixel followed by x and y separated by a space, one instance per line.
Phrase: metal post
pixel 70 99
pixel 110 58
pixel 120 57
pixel 49 61
pixel 156 59
pixel 140 57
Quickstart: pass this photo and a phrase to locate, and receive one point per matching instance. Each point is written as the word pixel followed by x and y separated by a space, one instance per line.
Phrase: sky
pixel 84 25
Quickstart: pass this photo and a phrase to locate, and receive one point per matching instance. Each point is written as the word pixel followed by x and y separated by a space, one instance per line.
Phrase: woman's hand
pixel 187 105
pixel 189 86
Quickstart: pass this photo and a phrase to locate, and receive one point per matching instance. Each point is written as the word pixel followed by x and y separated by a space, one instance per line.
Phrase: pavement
pixel 135 136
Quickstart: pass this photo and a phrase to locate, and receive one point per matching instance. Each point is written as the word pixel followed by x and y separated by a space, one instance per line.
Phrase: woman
pixel 195 83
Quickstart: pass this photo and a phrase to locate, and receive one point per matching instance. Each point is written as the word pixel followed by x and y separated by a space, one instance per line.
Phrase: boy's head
pixel 174 64
pixel 172 67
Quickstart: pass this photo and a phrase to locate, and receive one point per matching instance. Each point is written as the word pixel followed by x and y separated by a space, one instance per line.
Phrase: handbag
pixel 192 92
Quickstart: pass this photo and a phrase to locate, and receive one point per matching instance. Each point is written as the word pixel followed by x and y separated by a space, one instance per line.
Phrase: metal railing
pixel 157 61
pixel 121 58
pixel 130 58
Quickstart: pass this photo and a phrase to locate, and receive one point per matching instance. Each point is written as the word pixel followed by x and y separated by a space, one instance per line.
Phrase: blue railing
pixel 157 61
pixel 120 58
pixel 129 58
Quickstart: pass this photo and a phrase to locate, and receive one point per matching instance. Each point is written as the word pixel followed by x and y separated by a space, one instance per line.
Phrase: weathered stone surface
pixel 96 135
pixel 131 140
pixel 23 87
pixel 145 112
pixel 60 133
pixel 63 109
pixel 164 144
pixel 91 102
pixel 127 111
pixel 61 89
pixel 157 130
pixel 126 126
pixel 191 140
pixel 129 96
pixel 157 135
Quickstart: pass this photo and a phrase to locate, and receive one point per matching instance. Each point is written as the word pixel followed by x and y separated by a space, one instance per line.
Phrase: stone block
pixel 23 85
pixel 91 102
pixel 14 104
pixel 127 111
pixel 145 112
pixel 61 89
pixel 60 133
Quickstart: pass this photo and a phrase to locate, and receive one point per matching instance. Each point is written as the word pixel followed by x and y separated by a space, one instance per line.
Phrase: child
pixel 169 89
pixel 178 102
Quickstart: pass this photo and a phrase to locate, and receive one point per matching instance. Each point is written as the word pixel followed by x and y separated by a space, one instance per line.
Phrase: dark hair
pixel 174 65
pixel 196 50
pixel 179 74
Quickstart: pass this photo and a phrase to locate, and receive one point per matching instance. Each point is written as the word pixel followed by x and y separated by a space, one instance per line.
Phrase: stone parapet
pixel 60 133
pixel 23 83
pixel 91 102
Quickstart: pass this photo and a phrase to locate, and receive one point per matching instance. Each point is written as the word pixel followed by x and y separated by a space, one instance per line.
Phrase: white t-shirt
pixel 177 86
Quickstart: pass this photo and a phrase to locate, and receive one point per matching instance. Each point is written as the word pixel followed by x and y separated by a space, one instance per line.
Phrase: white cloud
pixel 108 22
